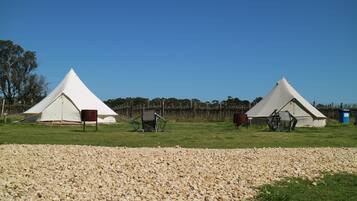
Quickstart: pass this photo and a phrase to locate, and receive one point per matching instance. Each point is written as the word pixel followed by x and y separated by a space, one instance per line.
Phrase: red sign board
pixel 89 115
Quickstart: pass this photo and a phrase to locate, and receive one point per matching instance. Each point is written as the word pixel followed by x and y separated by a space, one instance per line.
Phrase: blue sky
pixel 192 49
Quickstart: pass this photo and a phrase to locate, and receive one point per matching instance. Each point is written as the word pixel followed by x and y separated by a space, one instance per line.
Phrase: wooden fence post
pixel 163 108
pixel 2 107
pixel 191 108
pixel 180 111
pixel 194 109
pixel 207 111
pixel 220 112
pixel 131 110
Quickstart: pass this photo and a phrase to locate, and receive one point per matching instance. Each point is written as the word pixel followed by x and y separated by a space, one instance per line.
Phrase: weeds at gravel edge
pixel 332 187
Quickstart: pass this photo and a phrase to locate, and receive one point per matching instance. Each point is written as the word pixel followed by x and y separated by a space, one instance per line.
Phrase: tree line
pixel 176 102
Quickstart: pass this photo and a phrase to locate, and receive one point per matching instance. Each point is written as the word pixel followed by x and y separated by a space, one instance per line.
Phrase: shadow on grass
pixel 342 186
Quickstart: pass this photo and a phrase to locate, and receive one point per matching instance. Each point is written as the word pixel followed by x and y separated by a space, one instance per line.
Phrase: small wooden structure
pixel 150 122
pixel 240 119
pixel 89 115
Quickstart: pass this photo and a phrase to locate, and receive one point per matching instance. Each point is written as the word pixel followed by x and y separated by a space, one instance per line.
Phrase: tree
pixel 35 89
pixel 18 81
pixel 256 100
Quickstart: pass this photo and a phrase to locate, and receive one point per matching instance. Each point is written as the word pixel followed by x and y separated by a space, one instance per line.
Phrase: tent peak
pixel 71 71
pixel 283 79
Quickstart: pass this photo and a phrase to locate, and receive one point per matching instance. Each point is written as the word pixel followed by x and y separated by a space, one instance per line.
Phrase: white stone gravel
pixel 70 172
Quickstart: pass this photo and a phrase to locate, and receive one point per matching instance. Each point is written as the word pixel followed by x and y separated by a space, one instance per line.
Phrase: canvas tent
pixel 283 97
pixel 66 101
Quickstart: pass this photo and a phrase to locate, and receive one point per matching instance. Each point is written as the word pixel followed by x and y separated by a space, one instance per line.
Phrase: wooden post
pixel 2 107
pixel 191 108
pixel 84 126
pixel 207 113
pixel 220 112
pixel 131 110
pixel 194 110
pixel 163 107
pixel 180 110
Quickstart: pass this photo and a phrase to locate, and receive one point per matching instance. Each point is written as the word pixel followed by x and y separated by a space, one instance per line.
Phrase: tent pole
pixel 61 109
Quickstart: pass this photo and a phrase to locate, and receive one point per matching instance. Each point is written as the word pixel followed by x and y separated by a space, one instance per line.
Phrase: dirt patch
pixel 62 172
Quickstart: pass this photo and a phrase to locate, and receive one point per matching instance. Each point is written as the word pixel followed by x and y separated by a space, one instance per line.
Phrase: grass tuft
pixel 342 186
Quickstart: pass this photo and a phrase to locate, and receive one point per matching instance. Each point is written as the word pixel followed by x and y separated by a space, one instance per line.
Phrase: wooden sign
pixel 89 115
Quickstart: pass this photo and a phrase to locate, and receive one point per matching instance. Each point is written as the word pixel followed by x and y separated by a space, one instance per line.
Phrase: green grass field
pixel 184 134
pixel 331 188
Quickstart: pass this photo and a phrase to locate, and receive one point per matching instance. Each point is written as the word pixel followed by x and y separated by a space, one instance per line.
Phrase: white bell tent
pixel 284 97
pixel 66 101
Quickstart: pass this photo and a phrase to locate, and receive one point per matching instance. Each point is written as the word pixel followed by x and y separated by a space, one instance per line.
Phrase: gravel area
pixel 70 172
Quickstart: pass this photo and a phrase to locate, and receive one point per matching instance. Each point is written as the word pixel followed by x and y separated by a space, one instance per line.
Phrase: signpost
pixel 89 115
